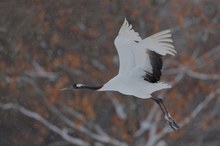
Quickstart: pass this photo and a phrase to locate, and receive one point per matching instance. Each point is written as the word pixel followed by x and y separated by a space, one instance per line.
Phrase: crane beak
pixel 66 88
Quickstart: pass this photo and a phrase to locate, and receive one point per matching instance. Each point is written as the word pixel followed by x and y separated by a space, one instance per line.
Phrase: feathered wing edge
pixel 126 30
pixel 156 46
pixel 160 43
pixel 156 63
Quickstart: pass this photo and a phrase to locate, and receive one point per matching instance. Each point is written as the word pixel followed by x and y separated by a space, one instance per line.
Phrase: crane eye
pixel 136 41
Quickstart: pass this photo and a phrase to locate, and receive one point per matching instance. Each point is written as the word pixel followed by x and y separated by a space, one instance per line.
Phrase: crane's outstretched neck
pixel 82 86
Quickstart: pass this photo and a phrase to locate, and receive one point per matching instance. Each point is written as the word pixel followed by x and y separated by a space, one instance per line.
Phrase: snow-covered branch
pixel 202 76
pixel 146 124
pixel 101 136
pixel 33 115
pixel 155 137
pixel 200 107
pixel 39 72
pixel 184 70
pixel 119 108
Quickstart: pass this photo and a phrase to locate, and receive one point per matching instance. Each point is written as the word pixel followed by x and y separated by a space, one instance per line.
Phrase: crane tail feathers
pixel 163 85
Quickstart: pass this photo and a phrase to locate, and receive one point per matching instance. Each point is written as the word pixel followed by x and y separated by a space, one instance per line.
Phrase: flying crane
pixel 140 64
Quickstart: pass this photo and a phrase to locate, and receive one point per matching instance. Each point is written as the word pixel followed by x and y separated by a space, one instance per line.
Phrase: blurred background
pixel 48 45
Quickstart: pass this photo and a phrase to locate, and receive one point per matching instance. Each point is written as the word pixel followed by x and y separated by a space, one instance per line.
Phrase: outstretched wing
pixel 139 57
pixel 161 43
pixel 128 32
pixel 126 40
pixel 155 47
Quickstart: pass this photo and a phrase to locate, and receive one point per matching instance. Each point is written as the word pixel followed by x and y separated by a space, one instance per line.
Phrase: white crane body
pixel 140 64
pixel 135 62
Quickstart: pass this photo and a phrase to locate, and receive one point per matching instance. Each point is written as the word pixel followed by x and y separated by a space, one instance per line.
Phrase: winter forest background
pixel 47 45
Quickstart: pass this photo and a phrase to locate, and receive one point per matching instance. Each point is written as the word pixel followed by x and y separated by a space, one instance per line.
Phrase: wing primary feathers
pixel 156 62
pixel 126 31
pixel 162 33
pixel 161 43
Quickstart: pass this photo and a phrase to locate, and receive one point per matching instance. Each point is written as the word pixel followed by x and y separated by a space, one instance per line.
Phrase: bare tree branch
pixel 41 73
pixel 211 53
pixel 119 108
pixel 202 76
pixel 104 138
pixel 197 75
pixel 153 139
pixel 146 124
pixel 96 136
pixel 200 107
pixel 33 115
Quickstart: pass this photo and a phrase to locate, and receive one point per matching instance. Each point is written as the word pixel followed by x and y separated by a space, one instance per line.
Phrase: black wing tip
pixel 151 77
pixel 156 62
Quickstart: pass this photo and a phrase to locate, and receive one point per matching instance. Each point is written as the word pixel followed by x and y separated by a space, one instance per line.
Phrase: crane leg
pixel 167 115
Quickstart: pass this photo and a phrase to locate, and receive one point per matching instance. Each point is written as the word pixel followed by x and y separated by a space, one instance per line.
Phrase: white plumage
pixel 140 64
pixel 134 61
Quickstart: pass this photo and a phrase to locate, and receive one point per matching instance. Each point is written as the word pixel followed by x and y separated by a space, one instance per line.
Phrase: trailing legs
pixel 167 115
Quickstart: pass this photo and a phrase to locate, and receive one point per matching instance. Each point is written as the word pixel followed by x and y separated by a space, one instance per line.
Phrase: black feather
pixel 156 62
